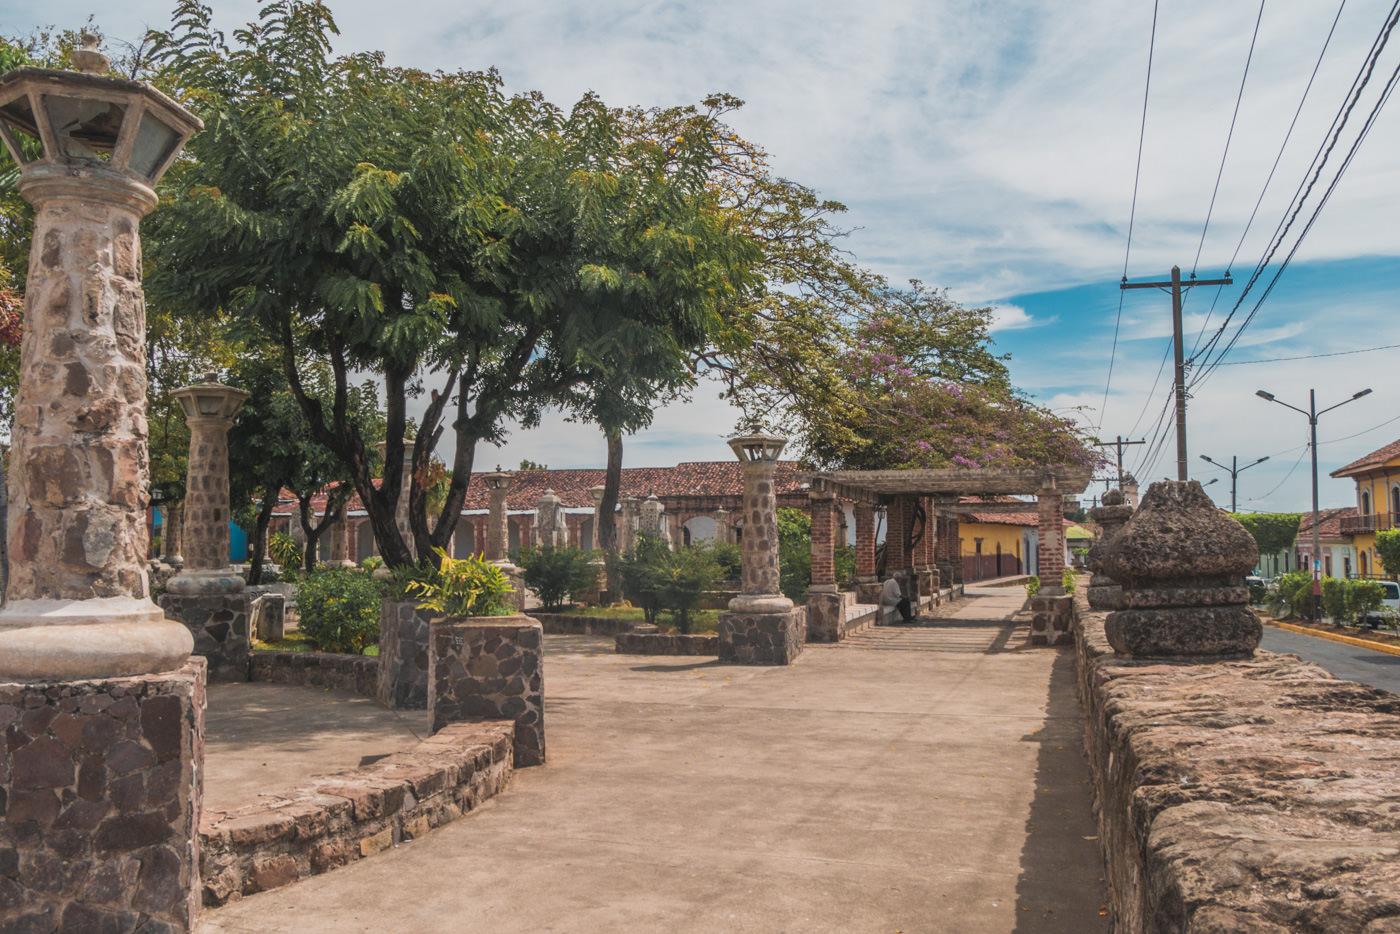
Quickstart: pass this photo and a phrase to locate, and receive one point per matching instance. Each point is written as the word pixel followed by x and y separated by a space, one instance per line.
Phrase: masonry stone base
pixel 403 655
pixel 1174 632
pixel 1052 620
pixel 220 624
pixel 868 592
pixel 762 638
pixel 489 668
pixel 99 802
pixel 826 615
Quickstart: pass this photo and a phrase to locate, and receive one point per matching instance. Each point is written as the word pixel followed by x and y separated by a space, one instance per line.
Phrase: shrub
pixel 794 553
pixel 1334 599
pixel 1032 586
pixel 556 573
pixel 1363 598
pixel 463 587
pixel 1258 593
pixel 1067 580
pixel 681 582
pixel 729 557
pixel 638 573
pixel 285 550
pixel 1290 587
pixel 340 609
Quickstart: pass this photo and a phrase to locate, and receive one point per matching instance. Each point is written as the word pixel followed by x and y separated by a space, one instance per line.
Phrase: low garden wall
pixel 574 624
pixel 1251 797
pixel 655 643
pixel 358 673
pixel 336 819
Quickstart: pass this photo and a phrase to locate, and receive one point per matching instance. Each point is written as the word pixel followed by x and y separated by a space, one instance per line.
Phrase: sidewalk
pixel 913 779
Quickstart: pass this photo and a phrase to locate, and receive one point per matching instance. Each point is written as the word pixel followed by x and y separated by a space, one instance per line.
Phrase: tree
pixel 431 230
pixel 1272 531
pixel 271 449
pixel 1388 550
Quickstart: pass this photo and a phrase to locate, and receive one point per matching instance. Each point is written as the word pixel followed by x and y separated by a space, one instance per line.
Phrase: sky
pixel 992 149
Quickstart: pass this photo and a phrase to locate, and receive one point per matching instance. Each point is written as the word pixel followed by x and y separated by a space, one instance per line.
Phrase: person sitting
pixel 893 595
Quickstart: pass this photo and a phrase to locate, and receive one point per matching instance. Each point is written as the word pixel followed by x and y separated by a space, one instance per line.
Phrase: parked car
pixel 1391 602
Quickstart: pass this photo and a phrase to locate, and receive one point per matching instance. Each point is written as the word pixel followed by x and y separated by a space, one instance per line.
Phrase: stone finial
pixel 1113 498
pixel 1104 592
pixel 1181 563
pixel 88 59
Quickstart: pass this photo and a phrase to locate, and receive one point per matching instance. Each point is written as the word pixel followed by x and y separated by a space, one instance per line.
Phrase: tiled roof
pixel 696 478
pixel 1374 459
pixel 1329 522
pixel 1031 519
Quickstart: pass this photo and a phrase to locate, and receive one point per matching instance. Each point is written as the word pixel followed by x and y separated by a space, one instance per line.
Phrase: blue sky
pixel 990 149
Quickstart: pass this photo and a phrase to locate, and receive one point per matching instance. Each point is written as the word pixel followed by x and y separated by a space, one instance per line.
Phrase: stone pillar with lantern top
pixel 761 626
pixel 628 533
pixel 97 687
pixel 498 533
pixel 723 534
pixel 649 518
pixel 207 595
pixel 551 531
pixel 602 595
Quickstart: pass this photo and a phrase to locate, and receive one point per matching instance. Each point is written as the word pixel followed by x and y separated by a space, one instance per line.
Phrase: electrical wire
pixel 1310 356
pixel 1278 157
pixel 1132 213
pixel 1255 499
pixel 1220 173
pixel 1319 162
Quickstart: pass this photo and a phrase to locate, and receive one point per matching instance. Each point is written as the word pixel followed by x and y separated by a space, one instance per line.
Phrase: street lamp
pixel 1235 469
pixel 1312 413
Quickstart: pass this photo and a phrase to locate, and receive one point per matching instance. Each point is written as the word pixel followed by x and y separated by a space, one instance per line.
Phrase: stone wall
pixel 773 638
pixel 1257 796
pixel 489 668
pixel 220 626
pixel 336 819
pixel 655 643
pixel 403 655
pixel 358 673
pixel 572 624
pixel 99 796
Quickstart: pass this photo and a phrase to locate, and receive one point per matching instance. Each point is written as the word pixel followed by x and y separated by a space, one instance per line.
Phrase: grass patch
pixel 296 641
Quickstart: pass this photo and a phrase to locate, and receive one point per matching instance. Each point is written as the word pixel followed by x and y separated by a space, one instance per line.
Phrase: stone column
pixel 405 484
pixel 491 668
pixel 550 530
pixel 342 543
pixel 497 532
pixel 1050 506
pixel 825 605
pixel 867 583
pixel 628 537
pixel 207 596
pixel 103 708
pixel 761 627
pixel 170 534
pixel 1181 563
pixel 721 517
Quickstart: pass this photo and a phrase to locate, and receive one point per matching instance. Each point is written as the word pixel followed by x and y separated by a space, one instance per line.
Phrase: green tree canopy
pixel 1388 549
pixel 1272 531
pixel 494 255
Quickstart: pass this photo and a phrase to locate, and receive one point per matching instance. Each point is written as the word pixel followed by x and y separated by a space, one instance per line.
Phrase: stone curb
pixel 1334 637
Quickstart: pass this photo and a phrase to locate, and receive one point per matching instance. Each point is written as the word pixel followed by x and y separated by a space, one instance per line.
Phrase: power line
pixel 1132 211
pixel 1278 157
pixel 1310 356
pixel 1220 173
pixel 1310 178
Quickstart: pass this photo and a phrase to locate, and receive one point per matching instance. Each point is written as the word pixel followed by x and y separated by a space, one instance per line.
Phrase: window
pixel 1365 502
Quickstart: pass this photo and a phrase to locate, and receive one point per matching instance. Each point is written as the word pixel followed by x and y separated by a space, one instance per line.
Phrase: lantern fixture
pixel 757 448
pixel 497 480
pixel 209 399
pixel 88 117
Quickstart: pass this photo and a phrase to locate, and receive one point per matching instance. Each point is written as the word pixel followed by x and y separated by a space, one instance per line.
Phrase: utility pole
pixel 1119 445
pixel 1234 469
pixel 1176 285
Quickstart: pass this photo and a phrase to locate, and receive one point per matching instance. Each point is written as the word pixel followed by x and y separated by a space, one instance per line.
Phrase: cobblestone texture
pixel 490 668
pixel 220 626
pixel 403 655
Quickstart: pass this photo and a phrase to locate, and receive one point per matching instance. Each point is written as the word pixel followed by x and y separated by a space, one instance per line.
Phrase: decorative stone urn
pixel 1105 593
pixel 1181 563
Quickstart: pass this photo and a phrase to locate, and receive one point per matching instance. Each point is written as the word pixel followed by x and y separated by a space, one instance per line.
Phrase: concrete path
pixel 921 778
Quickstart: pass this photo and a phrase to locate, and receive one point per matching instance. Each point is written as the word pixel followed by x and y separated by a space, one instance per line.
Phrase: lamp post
pixel 1234 470
pixel 758 453
pixel 1312 413
pixel 90 148
pixel 497 532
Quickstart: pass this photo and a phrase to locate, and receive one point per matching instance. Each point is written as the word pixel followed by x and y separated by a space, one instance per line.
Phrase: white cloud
pixel 1012 318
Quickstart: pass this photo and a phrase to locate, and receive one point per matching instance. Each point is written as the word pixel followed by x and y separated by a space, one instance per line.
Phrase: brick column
pixel 823 543
pixel 1051 534
pixel 896 530
pixel 867 585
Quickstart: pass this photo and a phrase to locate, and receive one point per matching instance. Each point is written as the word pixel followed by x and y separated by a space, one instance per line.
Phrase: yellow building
pixel 1377 477
pixel 997 544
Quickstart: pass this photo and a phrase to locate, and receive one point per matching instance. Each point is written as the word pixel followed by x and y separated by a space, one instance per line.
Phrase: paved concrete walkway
pixel 913 779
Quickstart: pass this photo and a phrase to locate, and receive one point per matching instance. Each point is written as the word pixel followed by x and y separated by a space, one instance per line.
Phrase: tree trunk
pixel 612 487
pixel 255 568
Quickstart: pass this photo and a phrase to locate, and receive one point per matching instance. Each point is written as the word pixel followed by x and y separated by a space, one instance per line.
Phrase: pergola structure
pixel 922 510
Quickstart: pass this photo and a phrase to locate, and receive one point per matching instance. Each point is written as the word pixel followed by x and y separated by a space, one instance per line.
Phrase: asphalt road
pixel 1377 669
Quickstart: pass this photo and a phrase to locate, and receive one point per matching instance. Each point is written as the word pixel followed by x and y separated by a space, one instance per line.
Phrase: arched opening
pixel 1394 503
pixel 464 540
pixel 1365 502
pixel 699 529
pixel 585 534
